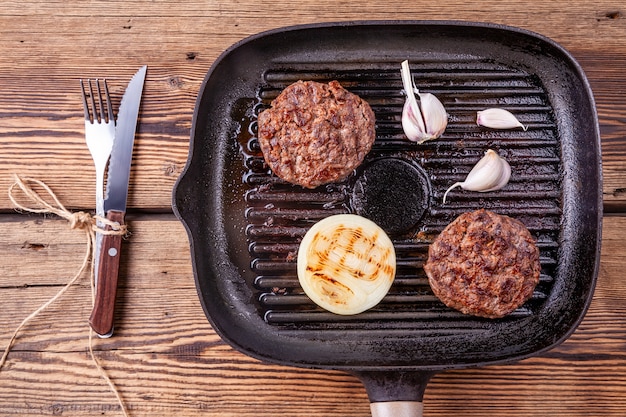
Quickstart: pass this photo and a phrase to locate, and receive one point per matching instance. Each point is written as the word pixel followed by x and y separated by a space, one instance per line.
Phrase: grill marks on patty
pixel 316 133
pixel 484 264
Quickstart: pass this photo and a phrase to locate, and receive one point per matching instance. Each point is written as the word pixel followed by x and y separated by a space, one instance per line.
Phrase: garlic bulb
pixel 421 121
pixel 346 264
pixel 498 119
pixel 491 173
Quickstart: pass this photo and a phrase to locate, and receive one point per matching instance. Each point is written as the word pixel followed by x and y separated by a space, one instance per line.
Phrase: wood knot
pixel 613 15
pixel 170 169
pixel 176 82
pixel 34 246
pixel 610 15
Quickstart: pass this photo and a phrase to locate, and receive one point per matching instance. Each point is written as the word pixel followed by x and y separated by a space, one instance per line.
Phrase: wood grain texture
pixel 165 358
pixel 48 47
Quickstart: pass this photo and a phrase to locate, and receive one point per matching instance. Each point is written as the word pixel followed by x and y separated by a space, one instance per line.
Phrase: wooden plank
pixel 42 125
pixel 166 359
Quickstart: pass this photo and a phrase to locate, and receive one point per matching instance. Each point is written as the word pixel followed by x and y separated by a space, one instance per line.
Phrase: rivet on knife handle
pixel 101 319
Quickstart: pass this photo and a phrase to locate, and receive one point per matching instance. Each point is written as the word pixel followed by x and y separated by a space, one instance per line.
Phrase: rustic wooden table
pixel 164 358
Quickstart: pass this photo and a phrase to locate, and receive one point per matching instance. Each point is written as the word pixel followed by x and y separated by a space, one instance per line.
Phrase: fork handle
pixel 101 319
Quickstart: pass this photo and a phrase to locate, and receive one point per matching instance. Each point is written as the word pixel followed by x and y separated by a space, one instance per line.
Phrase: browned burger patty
pixel 483 264
pixel 316 133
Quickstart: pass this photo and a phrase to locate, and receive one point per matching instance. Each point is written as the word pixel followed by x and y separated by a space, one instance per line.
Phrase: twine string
pixel 82 221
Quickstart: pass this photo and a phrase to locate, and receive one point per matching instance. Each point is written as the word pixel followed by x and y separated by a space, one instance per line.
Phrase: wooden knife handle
pixel 101 319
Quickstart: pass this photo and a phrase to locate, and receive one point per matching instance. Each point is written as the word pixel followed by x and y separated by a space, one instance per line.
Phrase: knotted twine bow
pixel 81 221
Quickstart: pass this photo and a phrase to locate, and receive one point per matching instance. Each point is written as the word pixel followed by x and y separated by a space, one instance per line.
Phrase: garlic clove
pixel 423 120
pixel 412 122
pixel 436 118
pixel 505 176
pixel 491 173
pixel 497 118
pixel 488 173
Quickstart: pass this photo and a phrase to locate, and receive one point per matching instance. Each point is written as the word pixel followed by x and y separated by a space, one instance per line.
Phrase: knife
pixel 101 319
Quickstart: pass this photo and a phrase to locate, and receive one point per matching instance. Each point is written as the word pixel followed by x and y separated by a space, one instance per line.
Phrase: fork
pixel 99 134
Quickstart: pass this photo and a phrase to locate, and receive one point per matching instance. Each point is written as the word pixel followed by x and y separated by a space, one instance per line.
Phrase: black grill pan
pixel 244 224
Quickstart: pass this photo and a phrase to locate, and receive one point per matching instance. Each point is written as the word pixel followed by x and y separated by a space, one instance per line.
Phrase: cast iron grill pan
pixel 245 224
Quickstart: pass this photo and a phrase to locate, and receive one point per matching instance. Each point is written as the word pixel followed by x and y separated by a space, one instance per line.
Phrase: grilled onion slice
pixel 346 264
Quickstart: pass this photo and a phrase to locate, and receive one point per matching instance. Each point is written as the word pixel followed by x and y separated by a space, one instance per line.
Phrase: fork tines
pixel 95 116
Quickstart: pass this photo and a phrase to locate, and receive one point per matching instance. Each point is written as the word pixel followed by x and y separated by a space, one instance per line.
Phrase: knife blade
pixel 101 319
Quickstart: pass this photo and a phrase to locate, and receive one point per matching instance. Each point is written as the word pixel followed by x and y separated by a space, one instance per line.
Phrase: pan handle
pixel 395 393
pixel 397 409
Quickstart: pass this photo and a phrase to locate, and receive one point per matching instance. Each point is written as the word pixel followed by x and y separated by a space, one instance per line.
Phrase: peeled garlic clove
pixel 491 173
pixel 496 118
pixel 346 264
pixel 423 120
